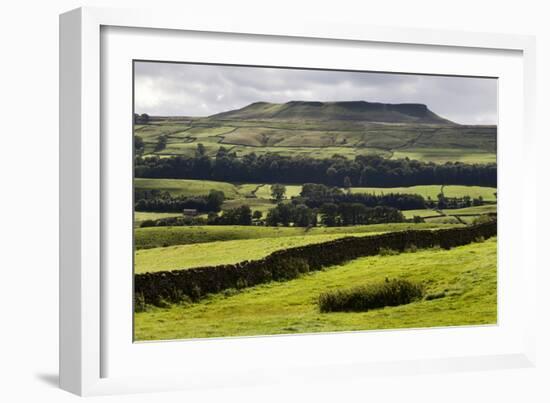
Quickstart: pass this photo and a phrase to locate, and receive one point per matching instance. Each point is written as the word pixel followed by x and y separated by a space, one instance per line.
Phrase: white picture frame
pixel 85 344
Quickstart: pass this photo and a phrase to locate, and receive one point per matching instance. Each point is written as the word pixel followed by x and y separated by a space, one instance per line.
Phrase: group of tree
pixel 444 202
pixel 278 192
pixel 236 216
pixel 157 201
pixel 299 215
pixel 315 195
pixel 344 214
pixel 364 170
pixel 178 221
pixel 142 119
pixel 332 214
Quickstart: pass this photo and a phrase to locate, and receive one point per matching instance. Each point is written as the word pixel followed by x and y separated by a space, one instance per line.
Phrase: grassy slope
pixel 467 276
pixel 140 216
pixel 195 187
pixel 433 190
pixel 291 191
pixel 186 187
pixel 322 139
pixel 442 220
pixel 442 155
pixel 419 213
pixel 221 252
pixel 155 237
pixel 487 208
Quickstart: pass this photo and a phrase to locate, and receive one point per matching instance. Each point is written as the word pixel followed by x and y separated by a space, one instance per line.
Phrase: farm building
pixel 190 212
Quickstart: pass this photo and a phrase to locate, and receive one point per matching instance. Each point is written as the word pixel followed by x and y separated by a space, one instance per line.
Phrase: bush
pixel 365 298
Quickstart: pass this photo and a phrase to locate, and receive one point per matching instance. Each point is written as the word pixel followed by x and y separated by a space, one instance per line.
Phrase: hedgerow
pixel 176 285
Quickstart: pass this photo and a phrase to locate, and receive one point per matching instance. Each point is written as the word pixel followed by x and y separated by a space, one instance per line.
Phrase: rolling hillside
pixel 322 129
pixel 331 111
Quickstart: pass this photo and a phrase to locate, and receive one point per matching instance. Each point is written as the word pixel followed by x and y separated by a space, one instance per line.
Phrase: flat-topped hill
pixel 334 111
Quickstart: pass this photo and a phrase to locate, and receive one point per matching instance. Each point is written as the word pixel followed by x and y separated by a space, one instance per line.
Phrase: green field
pixel 221 252
pixel 442 155
pixel 196 187
pixel 464 279
pixel 486 208
pixel 155 237
pixel 443 220
pixel 264 191
pixel 186 187
pixel 419 213
pixel 140 216
pixel 299 132
pixel 263 205
pixel 488 193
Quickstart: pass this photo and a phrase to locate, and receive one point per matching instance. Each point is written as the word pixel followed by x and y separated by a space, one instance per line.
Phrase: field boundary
pixel 174 286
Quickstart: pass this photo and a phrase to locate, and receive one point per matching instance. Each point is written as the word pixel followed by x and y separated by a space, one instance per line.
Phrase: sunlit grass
pixel 461 289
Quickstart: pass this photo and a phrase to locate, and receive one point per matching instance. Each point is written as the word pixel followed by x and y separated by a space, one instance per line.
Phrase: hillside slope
pixel 330 111
pixel 321 130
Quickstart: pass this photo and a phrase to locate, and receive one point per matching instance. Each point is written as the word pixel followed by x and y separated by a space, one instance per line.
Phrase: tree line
pixel 315 195
pixel 156 201
pixel 364 170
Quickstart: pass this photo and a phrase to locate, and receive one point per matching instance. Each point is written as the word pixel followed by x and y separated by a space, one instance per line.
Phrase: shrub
pixel 364 298
pixel 411 248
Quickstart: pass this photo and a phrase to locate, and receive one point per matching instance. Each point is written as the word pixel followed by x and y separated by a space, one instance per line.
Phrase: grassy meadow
pixel 197 187
pixel 431 191
pixel 321 139
pixel 210 245
pixel 461 290
pixel 156 237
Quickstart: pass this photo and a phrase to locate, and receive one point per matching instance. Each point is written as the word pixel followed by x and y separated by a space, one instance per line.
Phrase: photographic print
pixel 273 200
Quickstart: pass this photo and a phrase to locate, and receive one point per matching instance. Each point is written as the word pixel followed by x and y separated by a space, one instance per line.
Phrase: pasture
pixel 431 191
pixel 186 187
pixel 419 213
pixel 158 237
pixel 321 139
pixel 460 287
pixel 221 252
pixel 140 216
pixel 197 187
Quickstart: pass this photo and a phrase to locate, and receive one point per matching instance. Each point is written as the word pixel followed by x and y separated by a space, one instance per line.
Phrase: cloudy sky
pixel 172 89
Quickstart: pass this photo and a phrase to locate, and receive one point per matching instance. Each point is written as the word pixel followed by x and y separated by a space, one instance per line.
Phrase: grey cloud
pixel 200 90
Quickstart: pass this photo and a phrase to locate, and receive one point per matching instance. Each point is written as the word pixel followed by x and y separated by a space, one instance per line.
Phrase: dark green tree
pixel 278 192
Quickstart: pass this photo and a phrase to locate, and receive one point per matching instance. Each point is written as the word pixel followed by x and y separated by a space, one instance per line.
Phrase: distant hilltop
pixel 326 111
